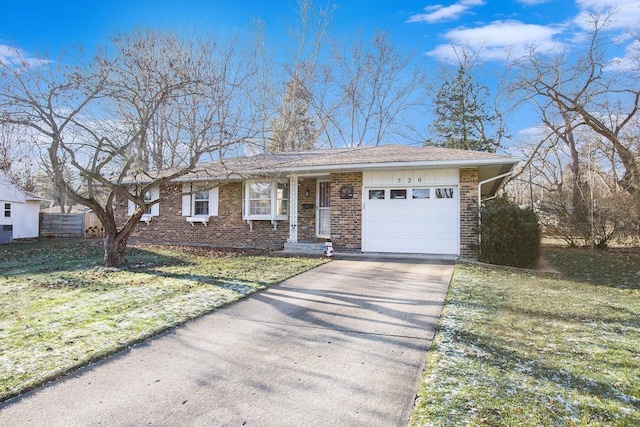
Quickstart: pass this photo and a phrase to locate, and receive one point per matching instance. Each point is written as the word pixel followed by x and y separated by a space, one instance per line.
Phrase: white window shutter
pixel 186 200
pixel 155 195
pixel 213 202
pixel 131 207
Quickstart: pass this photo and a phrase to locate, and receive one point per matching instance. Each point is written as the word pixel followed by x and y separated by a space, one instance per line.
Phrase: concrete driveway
pixel 342 345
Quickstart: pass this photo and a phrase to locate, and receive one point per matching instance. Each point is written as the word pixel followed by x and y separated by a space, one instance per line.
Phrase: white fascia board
pixel 403 165
pixel 30 198
pixel 182 179
pixel 209 178
pixel 325 169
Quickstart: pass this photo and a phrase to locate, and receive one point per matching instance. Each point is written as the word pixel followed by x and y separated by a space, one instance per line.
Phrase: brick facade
pixel 228 229
pixel 468 211
pixel 307 214
pixel 346 214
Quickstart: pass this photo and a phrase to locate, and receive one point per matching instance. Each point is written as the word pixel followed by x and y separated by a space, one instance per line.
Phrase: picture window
pixel 283 199
pixel 266 200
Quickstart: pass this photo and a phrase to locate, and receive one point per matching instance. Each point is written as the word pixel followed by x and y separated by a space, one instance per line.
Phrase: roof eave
pixel 399 165
pixel 320 169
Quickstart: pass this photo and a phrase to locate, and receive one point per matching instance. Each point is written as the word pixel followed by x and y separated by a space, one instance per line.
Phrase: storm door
pixel 323 218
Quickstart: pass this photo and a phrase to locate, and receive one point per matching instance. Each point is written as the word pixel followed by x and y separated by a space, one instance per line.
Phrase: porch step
pixel 304 248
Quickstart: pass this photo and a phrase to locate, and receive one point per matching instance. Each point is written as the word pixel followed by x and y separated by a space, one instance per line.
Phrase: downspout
pixel 480 184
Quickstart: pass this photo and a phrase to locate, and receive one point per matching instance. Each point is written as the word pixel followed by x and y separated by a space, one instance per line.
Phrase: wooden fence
pixel 61 225
pixel 92 225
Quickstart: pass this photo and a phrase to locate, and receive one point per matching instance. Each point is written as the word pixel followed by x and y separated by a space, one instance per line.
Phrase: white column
pixel 293 210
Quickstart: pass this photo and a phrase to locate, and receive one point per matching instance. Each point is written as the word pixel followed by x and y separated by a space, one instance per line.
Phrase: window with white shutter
pixel 199 202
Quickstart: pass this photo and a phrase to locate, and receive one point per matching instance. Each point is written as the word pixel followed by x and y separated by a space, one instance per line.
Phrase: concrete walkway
pixel 342 345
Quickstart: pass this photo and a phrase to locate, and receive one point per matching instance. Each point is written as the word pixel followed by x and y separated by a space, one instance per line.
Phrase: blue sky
pixel 426 27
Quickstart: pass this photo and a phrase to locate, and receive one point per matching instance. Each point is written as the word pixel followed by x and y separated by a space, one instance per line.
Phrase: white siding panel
pixel 26 220
pixel 186 200
pixel 387 178
pixel 213 201
pixel 155 195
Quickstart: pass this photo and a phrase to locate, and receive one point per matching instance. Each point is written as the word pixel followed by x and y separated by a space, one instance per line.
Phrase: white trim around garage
pixel 411 211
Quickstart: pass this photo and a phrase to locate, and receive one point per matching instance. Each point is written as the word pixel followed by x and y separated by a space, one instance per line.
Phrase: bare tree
pixel 286 81
pixel 579 89
pixel 13 155
pixel 293 129
pixel 99 119
pixel 374 93
pixel 313 93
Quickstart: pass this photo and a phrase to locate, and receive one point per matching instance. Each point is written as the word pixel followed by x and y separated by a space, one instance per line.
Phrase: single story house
pixel 390 198
pixel 20 211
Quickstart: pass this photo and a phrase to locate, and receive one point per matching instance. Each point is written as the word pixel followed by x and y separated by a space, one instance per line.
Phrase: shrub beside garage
pixel 509 234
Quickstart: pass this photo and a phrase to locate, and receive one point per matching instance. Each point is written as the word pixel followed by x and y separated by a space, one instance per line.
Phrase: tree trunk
pixel 115 248
pixel 115 241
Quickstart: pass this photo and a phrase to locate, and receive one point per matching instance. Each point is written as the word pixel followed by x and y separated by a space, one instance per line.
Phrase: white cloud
pixel 630 61
pixel 439 12
pixel 15 57
pixel 496 41
pixel 627 12
pixel 538 131
pixel 602 4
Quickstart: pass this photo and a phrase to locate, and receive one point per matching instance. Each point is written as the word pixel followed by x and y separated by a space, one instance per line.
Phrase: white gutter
pixel 480 184
pixel 428 164
pixel 345 167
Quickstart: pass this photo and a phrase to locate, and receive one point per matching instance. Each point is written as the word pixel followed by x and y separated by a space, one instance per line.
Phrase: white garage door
pixel 411 219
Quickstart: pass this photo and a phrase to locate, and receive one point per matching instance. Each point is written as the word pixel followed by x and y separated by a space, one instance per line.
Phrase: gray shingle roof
pixel 391 153
pixel 356 158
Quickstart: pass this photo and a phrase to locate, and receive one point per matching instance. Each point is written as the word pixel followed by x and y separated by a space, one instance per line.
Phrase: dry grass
pixel 520 348
pixel 59 311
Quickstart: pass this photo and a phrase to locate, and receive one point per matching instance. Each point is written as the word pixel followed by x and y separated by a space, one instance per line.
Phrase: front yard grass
pixel 520 348
pixel 59 310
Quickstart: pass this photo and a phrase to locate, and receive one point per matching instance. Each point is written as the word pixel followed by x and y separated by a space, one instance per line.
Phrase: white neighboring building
pixel 19 210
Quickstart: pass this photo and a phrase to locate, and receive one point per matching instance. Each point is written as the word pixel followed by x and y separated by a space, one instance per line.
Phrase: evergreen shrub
pixel 510 235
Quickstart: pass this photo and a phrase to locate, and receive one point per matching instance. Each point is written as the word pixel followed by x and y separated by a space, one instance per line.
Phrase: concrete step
pixel 304 248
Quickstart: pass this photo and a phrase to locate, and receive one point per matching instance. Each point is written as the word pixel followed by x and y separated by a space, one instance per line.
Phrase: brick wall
pixel 468 211
pixel 346 214
pixel 307 217
pixel 228 229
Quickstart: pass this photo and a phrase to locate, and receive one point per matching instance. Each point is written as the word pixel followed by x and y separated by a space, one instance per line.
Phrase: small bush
pixel 510 235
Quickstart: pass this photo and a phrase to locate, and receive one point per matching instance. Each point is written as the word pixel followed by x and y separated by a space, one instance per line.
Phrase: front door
pixel 323 219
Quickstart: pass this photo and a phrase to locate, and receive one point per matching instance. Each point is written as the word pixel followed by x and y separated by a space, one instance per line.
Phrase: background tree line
pixel 583 173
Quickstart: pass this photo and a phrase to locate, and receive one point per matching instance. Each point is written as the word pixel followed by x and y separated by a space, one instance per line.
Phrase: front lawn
pixel 518 348
pixel 60 310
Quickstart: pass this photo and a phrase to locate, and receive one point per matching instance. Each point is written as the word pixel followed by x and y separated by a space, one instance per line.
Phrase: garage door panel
pixel 440 215
pixel 395 229
pixel 422 225
pixel 399 210
pixel 397 245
